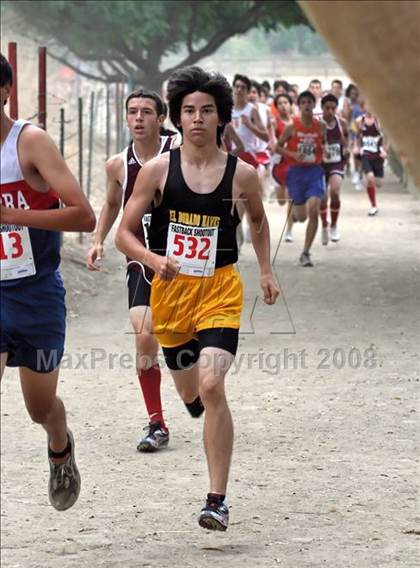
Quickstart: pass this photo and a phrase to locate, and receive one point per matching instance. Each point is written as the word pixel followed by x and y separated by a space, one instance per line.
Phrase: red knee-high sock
pixel 335 210
pixel 371 191
pixel 323 214
pixel 150 386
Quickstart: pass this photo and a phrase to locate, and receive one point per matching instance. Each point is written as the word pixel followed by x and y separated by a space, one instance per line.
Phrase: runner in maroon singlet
pixel 370 142
pixel 145 115
pixel 334 163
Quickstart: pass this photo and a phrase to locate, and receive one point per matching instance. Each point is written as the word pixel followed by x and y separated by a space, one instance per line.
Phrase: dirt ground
pixel 325 405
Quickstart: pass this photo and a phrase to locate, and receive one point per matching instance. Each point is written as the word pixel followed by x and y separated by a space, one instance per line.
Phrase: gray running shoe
pixel 305 259
pixel 156 438
pixel 64 484
pixel 214 515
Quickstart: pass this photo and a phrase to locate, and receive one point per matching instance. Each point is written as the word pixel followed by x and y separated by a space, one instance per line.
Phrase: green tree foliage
pixel 297 40
pixel 123 40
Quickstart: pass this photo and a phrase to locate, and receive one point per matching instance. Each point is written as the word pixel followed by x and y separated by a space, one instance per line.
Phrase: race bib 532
pixel 194 248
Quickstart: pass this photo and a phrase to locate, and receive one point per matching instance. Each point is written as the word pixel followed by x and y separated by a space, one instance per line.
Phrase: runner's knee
pixel 146 343
pixel 211 389
pixel 313 210
pixel 39 414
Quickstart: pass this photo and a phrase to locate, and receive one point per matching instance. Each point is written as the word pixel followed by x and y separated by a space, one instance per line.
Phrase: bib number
pixel 370 144
pixel 332 154
pixel 17 260
pixel 308 151
pixel 194 248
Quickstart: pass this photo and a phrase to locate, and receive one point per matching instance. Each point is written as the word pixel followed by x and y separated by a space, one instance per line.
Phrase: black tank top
pixel 333 149
pixel 371 140
pixel 182 206
pixel 132 166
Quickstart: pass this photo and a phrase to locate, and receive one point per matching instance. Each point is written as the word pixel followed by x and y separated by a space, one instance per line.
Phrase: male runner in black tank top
pixel 333 163
pixel 196 294
pixel 371 147
pixel 145 112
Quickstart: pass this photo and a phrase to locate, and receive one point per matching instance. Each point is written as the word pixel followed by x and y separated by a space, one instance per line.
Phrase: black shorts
pixel 375 166
pixel 139 285
pixel 184 356
pixel 334 169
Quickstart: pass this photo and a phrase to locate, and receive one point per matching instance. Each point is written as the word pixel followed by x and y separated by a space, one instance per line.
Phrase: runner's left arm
pixel 247 189
pixel 255 125
pixel 323 133
pixel 346 138
pixel 384 146
pixel 42 154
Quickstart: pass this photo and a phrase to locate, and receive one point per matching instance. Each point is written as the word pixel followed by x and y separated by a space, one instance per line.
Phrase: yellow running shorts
pixel 188 304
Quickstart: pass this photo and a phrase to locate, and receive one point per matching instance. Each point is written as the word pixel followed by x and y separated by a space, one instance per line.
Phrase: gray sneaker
pixel 155 439
pixel 305 259
pixel 64 484
pixel 214 515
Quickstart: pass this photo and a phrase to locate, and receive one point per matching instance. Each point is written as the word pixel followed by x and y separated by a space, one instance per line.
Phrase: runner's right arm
pixel 280 149
pixel 230 136
pixel 40 154
pixel 109 211
pixel 148 185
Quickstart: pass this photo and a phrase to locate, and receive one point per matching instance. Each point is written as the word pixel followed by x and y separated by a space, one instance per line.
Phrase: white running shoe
pixel 334 234
pixel 325 235
pixel 305 259
pixel 288 237
pixel 355 178
pixel 358 186
pixel 372 211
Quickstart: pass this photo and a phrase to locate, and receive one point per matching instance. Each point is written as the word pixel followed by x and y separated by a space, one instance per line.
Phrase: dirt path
pixel 325 460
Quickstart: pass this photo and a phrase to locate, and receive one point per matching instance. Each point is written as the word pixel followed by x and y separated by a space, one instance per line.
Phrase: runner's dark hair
pixel 306 95
pixel 160 105
pixel 6 72
pixel 188 80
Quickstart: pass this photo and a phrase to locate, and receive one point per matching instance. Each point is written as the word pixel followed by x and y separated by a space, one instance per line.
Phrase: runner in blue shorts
pixel 304 139
pixel 32 293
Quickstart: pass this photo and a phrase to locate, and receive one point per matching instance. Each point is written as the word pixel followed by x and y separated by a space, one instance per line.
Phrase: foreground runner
pixel 333 162
pixel 145 113
pixel 196 294
pixel 370 142
pixel 305 177
pixel 33 311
